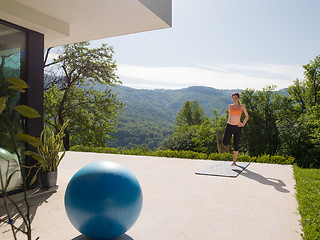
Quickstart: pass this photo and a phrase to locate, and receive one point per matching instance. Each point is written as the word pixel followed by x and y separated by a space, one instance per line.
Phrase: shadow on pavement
pixel 122 237
pixel 278 184
pixel 35 199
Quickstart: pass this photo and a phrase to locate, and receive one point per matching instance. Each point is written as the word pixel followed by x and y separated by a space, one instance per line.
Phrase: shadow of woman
pixel 278 184
pixel 122 237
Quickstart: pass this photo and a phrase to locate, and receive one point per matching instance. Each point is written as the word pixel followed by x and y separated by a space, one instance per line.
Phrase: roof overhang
pixel 69 21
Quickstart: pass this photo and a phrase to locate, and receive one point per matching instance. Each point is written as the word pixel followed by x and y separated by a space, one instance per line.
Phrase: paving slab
pixel 259 204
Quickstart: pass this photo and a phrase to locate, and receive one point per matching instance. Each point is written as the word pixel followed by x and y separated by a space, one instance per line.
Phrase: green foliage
pixel 281 123
pixel 149 115
pixel 302 137
pixel 137 150
pixel 297 94
pixel 308 196
pixel 27 111
pixel 12 117
pixel 188 120
pixel 221 156
pixel 194 131
pixel 49 149
pixel 180 154
pixel 133 132
pixel 312 82
pixel 82 148
pixel 260 135
pixel 205 140
pixel 17 84
pixel 181 139
pixel 247 158
pixel 28 139
pixel 190 114
pixel 287 160
pixel 299 125
pixel 11 111
pixel 3 101
pixel 70 94
pixel 143 151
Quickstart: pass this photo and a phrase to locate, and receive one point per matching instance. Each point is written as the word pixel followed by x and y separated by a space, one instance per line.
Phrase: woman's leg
pixel 227 136
pixel 236 140
pixel 235 155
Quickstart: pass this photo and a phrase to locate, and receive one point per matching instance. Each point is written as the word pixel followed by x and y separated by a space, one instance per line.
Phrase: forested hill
pixel 149 115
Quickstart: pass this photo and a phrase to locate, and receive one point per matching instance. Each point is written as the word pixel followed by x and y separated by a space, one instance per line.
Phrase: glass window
pixel 12 64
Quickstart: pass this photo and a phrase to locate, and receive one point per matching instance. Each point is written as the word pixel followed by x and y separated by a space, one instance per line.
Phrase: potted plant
pixel 48 155
pixel 49 148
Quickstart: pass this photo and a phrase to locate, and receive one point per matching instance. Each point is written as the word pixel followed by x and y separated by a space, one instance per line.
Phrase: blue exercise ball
pixel 103 200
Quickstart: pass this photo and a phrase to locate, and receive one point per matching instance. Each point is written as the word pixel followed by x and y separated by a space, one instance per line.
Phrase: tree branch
pixel 46 56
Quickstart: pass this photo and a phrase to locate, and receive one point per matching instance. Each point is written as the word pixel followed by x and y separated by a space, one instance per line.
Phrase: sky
pixel 224 44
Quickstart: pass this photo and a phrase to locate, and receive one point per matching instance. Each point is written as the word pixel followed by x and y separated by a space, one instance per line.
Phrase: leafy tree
pixel 300 136
pixel 261 135
pixel 299 127
pixel 312 82
pixel 205 140
pixel 133 133
pixel 298 93
pixel 78 88
pixel 181 139
pixel 194 131
pixel 190 114
pixel 188 121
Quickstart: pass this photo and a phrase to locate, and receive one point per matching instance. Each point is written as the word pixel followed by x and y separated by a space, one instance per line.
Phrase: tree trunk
pixel 66 141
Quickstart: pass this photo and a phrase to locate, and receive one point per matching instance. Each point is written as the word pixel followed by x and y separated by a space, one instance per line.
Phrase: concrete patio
pixel 259 204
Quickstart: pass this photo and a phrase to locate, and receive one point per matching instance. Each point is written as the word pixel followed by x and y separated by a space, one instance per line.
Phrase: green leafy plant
pixel 9 105
pixel 49 149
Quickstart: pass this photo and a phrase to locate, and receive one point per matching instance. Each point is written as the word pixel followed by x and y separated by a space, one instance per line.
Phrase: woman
pixel 234 125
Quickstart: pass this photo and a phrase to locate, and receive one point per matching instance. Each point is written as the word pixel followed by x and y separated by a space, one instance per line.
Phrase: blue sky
pixel 225 44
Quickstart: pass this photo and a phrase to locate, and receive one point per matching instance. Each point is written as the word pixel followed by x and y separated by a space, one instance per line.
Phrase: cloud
pixel 221 76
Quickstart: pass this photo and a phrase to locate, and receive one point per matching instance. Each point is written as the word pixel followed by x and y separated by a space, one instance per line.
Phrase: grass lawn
pixel 308 196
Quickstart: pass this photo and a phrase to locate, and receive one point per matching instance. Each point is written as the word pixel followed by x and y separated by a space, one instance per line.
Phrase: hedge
pixel 187 154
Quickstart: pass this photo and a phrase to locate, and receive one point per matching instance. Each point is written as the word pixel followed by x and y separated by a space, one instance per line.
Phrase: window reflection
pixel 12 64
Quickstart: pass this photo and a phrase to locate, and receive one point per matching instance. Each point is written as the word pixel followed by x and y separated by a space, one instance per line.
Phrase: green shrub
pixel 160 153
pixel 221 156
pixel 246 158
pixel 275 159
pixel 263 159
pixel 80 148
pixel 145 151
pixel 139 150
pixel 202 156
pixel 282 160
pixel 165 153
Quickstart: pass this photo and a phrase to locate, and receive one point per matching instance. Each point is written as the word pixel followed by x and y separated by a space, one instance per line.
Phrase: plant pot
pixel 49 179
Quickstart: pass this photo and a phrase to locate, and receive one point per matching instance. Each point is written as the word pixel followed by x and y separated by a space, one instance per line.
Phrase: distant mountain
pixel 169 102
pixel 149 115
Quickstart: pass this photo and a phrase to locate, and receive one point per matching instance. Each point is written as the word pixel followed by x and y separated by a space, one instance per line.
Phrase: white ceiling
pixel 69 21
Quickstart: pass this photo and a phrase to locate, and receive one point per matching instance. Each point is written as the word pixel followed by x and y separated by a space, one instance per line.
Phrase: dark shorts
pixel 236 131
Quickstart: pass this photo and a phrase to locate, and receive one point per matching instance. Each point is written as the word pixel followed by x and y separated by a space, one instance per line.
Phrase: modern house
pixel 28 27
